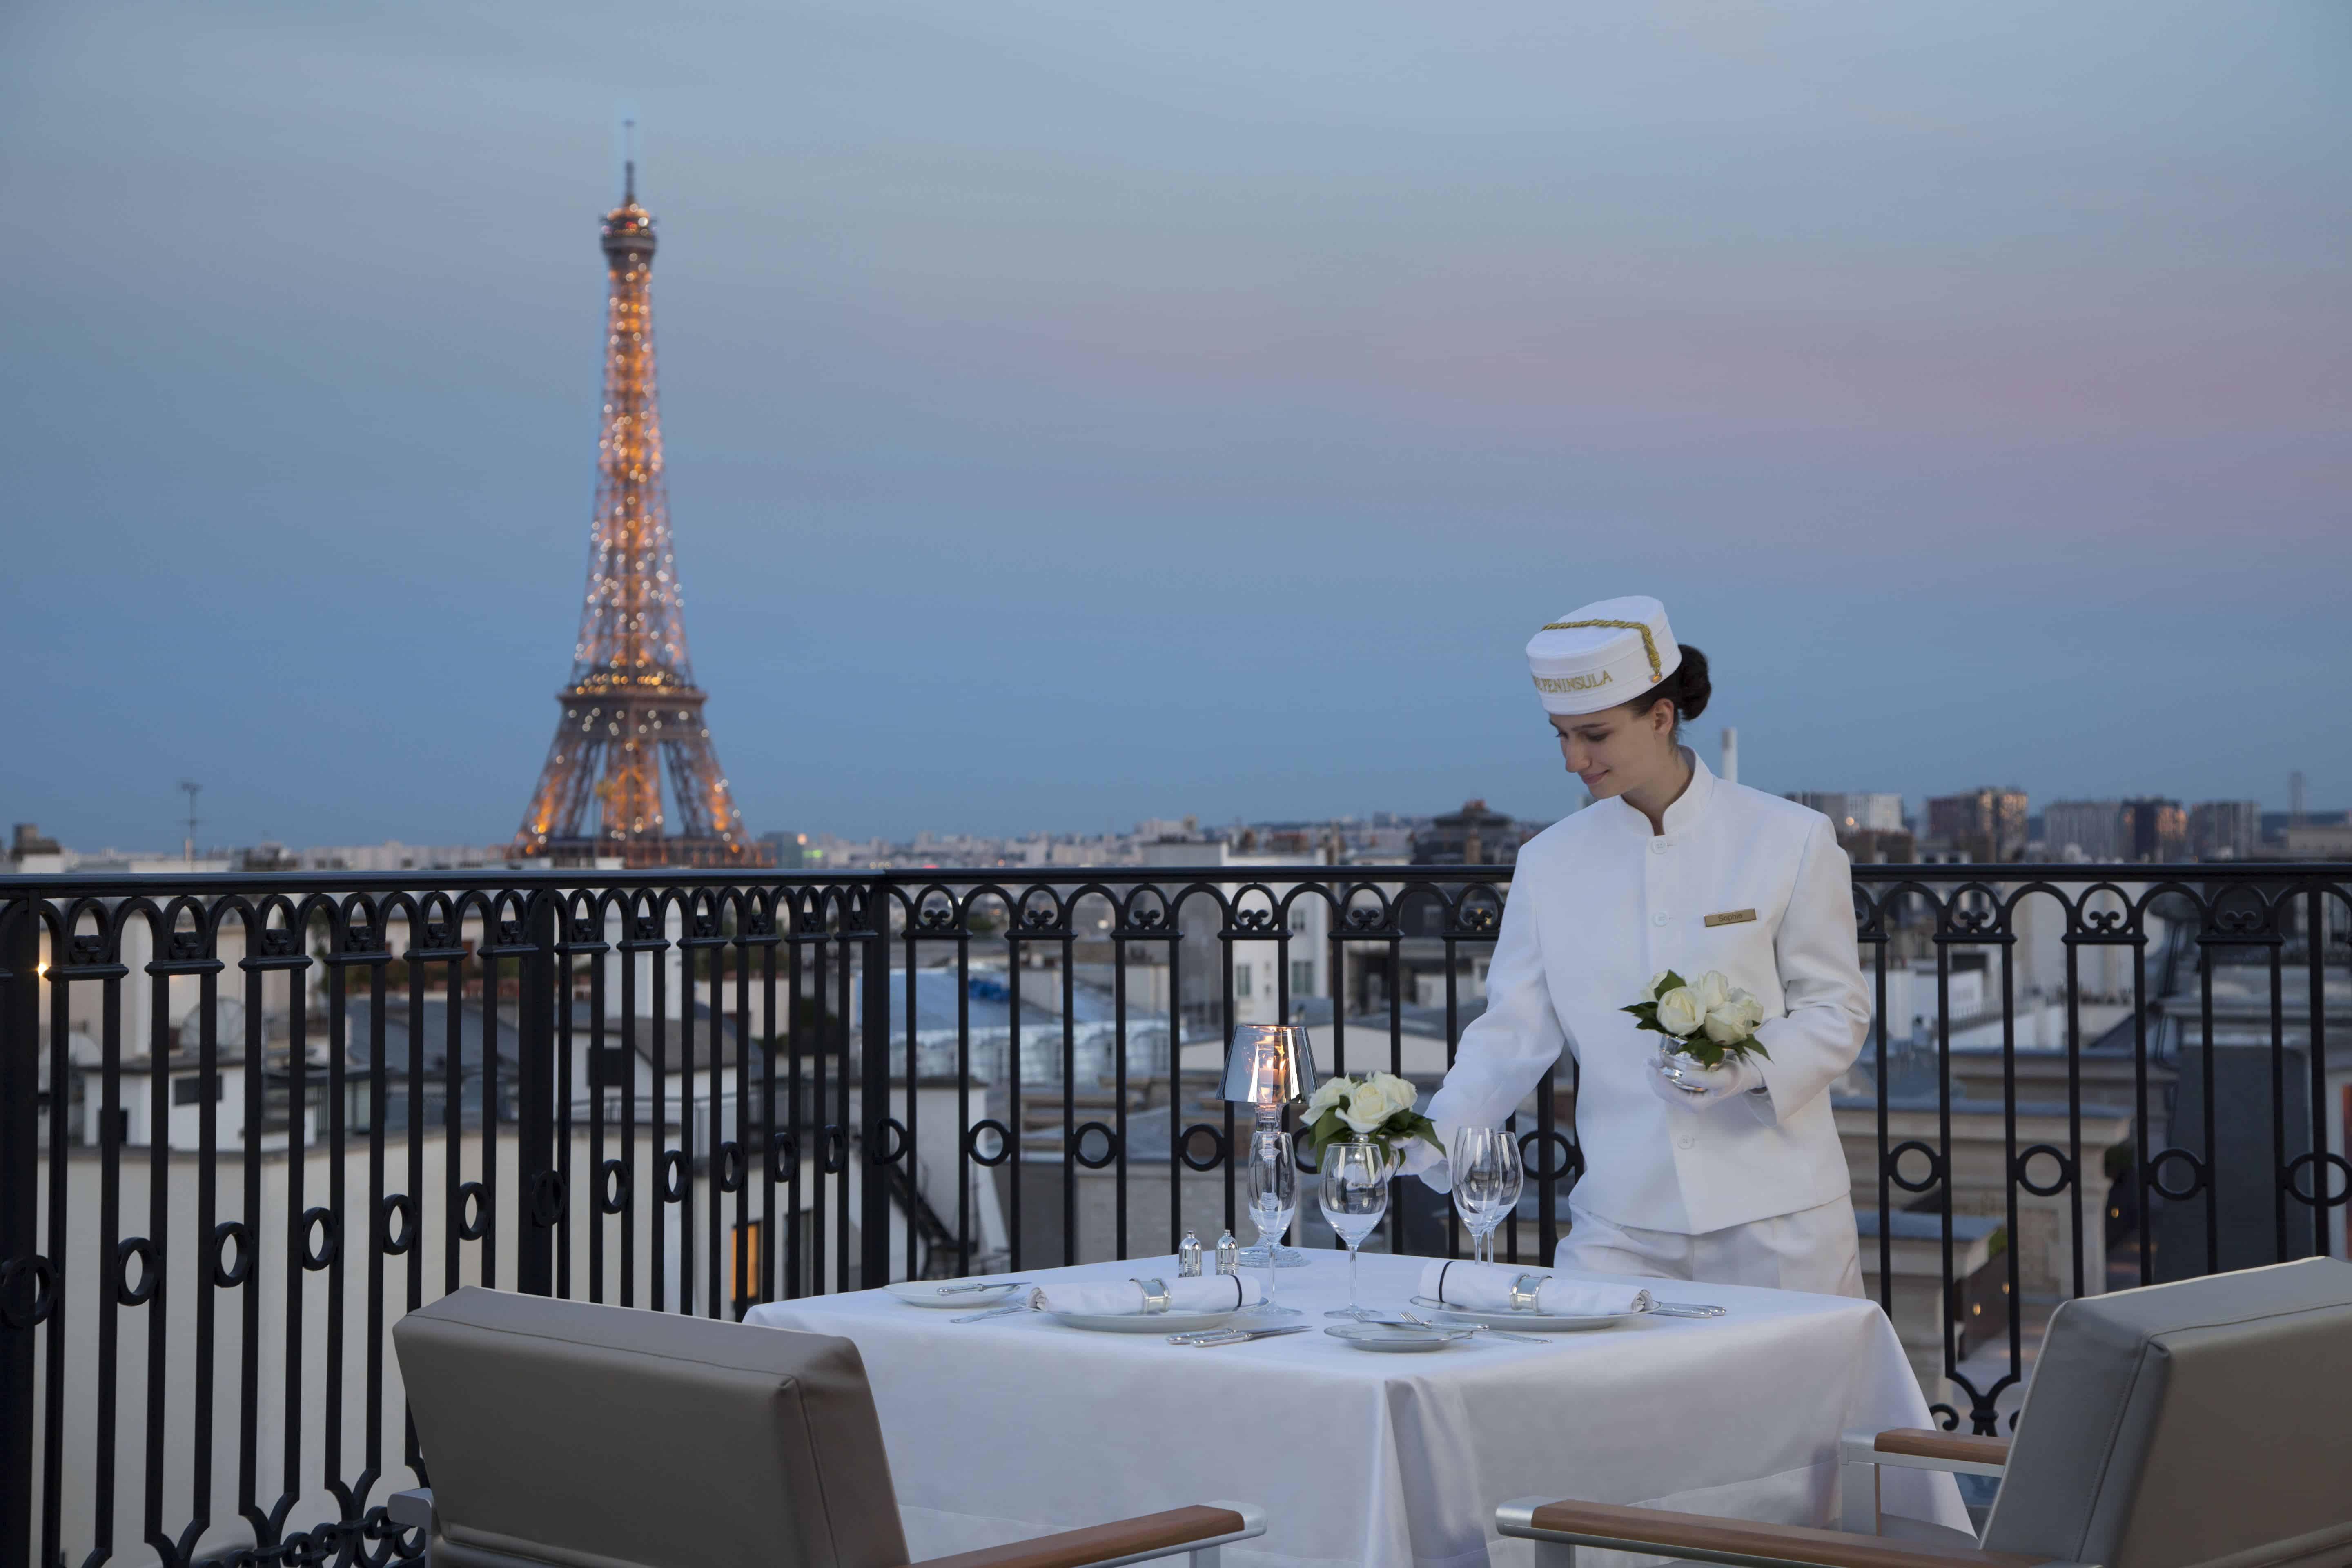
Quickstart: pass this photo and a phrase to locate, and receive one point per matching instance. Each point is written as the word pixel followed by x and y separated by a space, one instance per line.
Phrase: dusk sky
pixel 1078 413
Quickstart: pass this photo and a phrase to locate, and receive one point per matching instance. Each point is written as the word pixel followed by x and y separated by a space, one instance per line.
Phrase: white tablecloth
pixel 1016 1427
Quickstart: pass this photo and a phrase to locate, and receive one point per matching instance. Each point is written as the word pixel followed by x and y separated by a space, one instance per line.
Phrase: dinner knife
pixel 1233 1336
pixel 1021 1306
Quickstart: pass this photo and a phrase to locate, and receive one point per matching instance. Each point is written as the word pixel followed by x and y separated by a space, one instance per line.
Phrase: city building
pixel 1855 811
pixel 2083 830
pixel 2154 830
pixel 31 852
pixel 791 850
pixel 1983 825
pixel 2225 829
pixel 1477 835
pixel 2317 841
pixel 1880 845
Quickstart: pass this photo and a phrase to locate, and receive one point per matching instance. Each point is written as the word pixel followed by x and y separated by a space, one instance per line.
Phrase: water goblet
pixel 1273 1200
pixel 1484 1163
pixel 1354 1195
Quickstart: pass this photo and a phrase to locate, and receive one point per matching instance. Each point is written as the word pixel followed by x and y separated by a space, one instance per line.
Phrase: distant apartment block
pixel 2225 829
pixel 1855 811
pixel 2154 830
pixel 2084 829
pixel 1984 825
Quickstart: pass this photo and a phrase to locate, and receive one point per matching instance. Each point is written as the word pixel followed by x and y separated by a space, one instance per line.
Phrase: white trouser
pixel 1813 1250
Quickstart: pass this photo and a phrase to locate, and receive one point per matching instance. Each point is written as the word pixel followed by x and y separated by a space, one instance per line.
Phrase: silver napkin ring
pixel 1155 1295
pixel 1525 1289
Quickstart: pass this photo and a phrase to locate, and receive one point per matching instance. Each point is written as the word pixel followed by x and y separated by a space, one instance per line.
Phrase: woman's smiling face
pixel 1618 749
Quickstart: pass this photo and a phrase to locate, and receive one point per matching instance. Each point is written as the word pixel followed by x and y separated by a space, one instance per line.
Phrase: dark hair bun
pixel 1688 685
pixel 1687 688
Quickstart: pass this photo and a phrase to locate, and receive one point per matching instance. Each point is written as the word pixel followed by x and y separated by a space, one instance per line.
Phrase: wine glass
pixel 1354 1195
pixel 1484 1163
pixel 1273 1200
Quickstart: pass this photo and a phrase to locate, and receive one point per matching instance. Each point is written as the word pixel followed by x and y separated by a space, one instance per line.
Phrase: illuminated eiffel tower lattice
pixel 632 712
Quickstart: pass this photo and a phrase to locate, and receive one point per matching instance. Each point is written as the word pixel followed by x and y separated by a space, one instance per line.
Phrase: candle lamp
pixel 1268 1067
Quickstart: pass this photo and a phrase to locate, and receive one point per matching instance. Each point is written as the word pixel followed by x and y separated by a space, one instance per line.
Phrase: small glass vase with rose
pixel 1708 1025
pixel 1360 1128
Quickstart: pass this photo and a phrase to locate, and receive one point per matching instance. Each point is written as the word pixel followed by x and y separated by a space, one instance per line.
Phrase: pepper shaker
pixel 1229 1254
pixel 1188 1257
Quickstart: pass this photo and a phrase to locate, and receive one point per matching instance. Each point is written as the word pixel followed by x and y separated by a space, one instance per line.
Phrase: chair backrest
pixel 557 1432
pixel 2205 1422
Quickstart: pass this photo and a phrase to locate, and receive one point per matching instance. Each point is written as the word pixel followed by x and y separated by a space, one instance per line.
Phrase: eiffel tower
pixel 632 711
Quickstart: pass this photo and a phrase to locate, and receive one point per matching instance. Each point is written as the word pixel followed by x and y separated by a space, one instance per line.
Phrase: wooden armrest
pixel 1924 1443
pixel 1126 1537
pixel 1657 1530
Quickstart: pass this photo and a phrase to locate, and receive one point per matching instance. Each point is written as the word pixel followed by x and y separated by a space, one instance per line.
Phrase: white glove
pixel 1736 1076
pixel 1421 1158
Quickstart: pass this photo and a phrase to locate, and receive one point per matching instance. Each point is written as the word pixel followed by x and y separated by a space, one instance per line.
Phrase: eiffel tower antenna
pixel 632 712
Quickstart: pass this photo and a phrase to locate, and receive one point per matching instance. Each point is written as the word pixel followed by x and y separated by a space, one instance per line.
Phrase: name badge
pixel 1731 918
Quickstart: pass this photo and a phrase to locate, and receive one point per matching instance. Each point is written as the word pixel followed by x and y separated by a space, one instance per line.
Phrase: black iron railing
pixel 246 1121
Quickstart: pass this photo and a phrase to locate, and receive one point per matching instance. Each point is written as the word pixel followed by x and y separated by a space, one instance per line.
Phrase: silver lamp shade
pixel 1269 1065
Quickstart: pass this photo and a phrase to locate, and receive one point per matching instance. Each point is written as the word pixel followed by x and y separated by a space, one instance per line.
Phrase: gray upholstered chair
pixel 559 1433
pixel 2206 1424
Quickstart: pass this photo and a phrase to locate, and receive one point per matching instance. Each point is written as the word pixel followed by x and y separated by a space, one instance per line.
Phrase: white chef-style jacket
pixel 1739 881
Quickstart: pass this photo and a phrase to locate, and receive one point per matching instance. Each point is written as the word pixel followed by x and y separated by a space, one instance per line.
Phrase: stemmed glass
pixel 1354 1195
pixel 1273 1200
pixel 1485 1164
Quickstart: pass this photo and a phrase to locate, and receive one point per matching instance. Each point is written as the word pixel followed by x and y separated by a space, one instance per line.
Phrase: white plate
pixel 925 1293
pixel 1540 1323
pixel 1144 1322
pixel 1381 1337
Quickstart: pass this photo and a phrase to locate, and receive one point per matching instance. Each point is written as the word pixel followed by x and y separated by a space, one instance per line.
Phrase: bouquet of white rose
pixel 1706 1022
pixel 1377 1109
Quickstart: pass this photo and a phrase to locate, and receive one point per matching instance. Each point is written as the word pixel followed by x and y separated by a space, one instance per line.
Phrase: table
pixel 1015 1427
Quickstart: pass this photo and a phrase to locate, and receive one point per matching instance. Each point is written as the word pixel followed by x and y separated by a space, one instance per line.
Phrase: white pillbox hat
pixel 1604 654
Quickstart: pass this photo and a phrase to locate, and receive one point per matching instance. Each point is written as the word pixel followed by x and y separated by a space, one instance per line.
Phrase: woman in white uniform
pixel 1738 1179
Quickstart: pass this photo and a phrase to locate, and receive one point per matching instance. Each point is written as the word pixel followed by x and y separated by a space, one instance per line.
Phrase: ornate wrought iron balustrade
pixel 246 1121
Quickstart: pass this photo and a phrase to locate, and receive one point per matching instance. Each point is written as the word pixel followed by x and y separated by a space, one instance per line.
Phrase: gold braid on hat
pixel 1649 643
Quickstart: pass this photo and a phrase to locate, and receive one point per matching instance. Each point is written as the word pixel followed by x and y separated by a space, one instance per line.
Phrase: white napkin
pixel 1114 1298
pixel 1486 1287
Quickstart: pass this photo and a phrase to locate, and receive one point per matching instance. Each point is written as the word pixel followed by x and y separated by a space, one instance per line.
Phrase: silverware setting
pixel 1022 1306
pixel 1463 1331
pixel 1233 1336
pixel 981 1285
pixel 1657 1309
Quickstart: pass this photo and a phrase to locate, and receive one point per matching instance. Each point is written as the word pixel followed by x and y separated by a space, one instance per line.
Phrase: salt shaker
pixel 1188 1257
pixel 1229 1254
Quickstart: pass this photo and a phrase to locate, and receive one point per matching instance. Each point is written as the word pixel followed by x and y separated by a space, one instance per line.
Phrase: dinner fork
pixel 1412 1317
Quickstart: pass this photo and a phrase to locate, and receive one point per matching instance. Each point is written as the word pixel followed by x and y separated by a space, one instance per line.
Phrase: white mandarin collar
pixel 1681 816
pixel 1691 804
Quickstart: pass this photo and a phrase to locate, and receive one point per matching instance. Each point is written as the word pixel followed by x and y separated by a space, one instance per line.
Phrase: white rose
pixel 1736 1019
pixel 1655 980
pixel 1368 1107
pixel 1679 1012
pixel 1713 989
pixel 1331 1092
pixel 1400 1089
